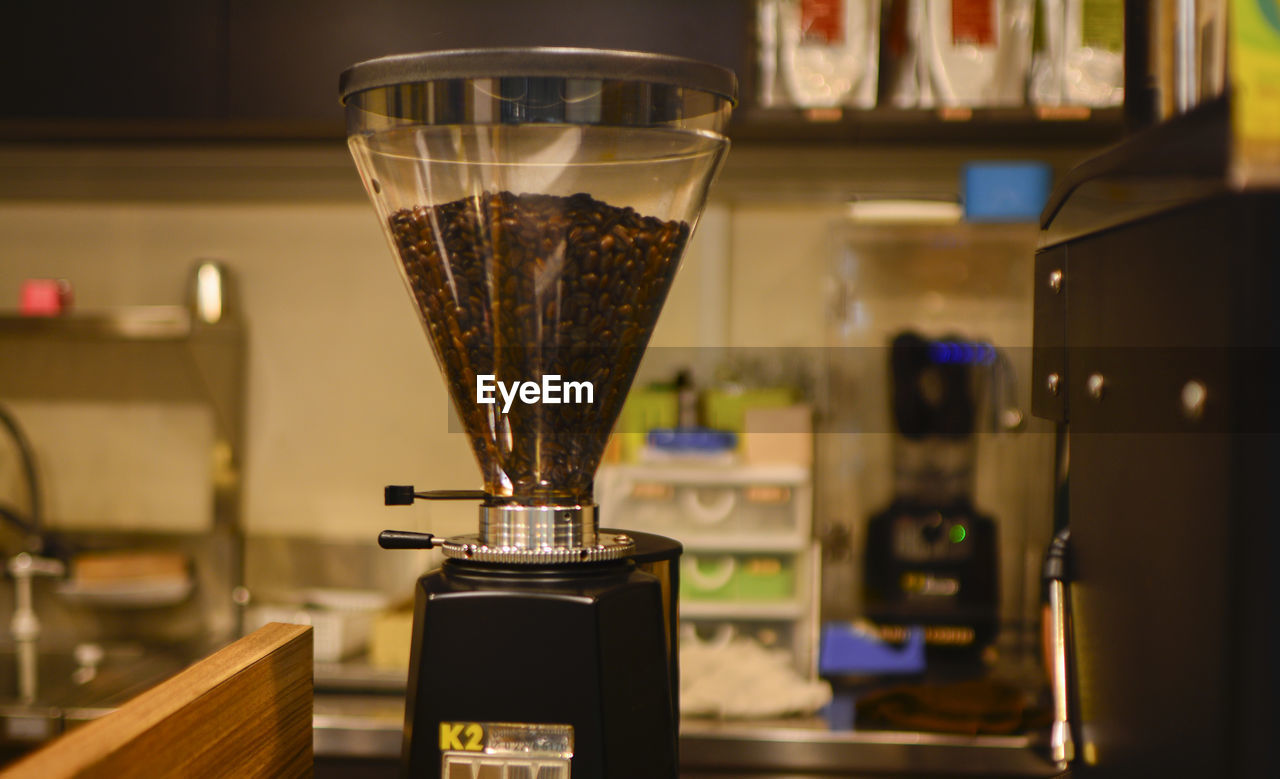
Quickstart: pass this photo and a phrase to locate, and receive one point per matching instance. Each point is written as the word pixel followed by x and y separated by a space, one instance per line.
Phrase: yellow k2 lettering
pixel 451 735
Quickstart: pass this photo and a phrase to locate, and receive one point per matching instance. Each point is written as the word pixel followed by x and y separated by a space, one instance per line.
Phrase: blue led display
pixel 961 353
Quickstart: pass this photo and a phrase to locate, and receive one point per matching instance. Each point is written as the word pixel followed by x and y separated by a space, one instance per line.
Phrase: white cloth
pixel 738 678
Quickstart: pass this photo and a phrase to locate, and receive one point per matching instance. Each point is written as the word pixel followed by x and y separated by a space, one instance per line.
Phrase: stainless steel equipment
pixel 1155 343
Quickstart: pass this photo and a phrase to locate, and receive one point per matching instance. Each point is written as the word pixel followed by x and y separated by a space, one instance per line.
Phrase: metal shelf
pixel 136 323
pixel 940 127
pixel 148 352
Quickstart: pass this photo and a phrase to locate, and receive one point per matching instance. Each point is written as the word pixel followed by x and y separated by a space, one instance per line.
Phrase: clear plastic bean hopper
pixel 538 202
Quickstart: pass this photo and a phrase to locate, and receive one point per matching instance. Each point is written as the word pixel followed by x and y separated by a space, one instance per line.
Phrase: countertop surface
pixel 370 725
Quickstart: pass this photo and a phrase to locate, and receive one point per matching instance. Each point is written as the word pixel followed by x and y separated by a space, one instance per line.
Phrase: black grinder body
pixel 583 646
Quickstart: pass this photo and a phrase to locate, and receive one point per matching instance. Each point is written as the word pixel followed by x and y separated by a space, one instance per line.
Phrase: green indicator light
pixel 956 534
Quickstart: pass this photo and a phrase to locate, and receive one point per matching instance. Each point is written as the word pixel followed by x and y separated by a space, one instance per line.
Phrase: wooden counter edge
pixel 245 710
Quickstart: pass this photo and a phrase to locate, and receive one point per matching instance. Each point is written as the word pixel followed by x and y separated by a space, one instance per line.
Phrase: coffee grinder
pixel 538 201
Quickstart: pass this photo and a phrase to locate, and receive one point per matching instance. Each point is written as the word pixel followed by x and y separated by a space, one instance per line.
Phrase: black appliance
pixel 931 557
pixel 1156 335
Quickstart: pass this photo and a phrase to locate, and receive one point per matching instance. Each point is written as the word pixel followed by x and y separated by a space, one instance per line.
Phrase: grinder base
pixel 534 651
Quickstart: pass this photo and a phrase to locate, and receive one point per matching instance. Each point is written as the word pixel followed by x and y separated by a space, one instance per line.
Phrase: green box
pixel 764 578
pixel 710 577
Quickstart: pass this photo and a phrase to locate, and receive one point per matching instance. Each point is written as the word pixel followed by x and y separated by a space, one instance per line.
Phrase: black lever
pixel 403 495
pixel 406 539
pixel 1056 559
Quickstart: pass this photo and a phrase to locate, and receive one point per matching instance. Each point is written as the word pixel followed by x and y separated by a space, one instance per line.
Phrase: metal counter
pixel 370 726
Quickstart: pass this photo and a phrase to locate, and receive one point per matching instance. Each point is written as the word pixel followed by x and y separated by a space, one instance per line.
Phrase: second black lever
pixel 404 495
pixel 407 539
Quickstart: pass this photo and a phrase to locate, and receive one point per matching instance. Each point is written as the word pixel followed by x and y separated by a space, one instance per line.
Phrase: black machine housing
pixel 1156 316
pixel 931 558
pixel 590 646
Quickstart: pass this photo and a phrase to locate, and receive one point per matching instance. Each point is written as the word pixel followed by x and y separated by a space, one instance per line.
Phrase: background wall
pixel 343 394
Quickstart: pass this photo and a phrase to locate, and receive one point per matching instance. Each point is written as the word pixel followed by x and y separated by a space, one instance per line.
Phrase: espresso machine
pixel 538 201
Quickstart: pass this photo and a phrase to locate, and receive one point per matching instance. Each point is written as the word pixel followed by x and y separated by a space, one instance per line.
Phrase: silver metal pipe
pixel 24 626
pixel 1060 743
pixel 1186 86
pixel 25 629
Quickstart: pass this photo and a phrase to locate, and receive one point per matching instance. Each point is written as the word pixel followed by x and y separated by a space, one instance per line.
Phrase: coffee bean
pixel 524 286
